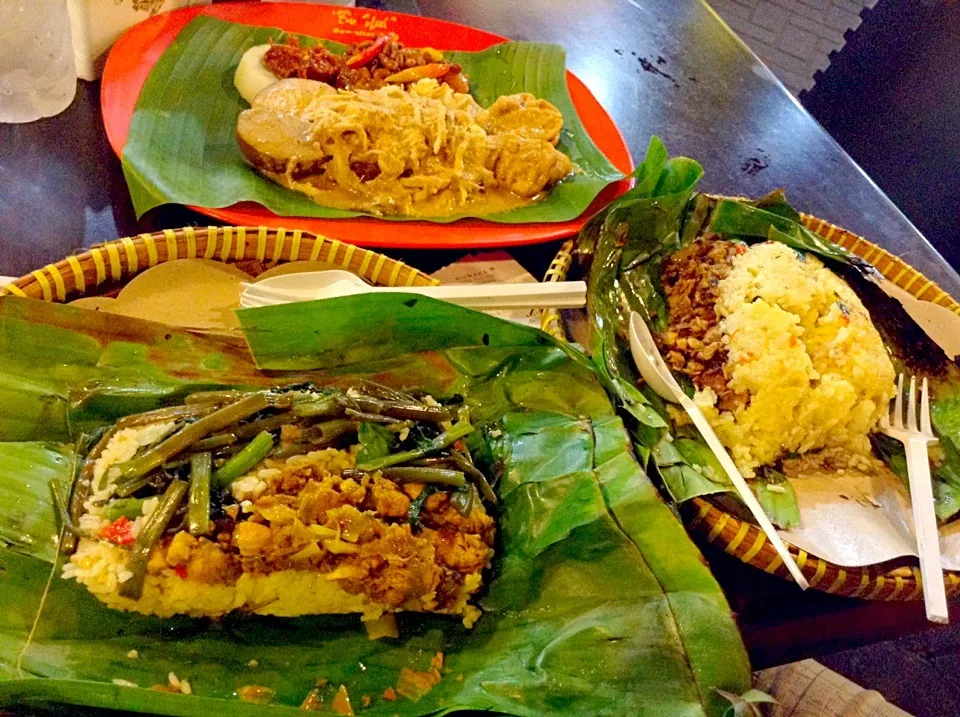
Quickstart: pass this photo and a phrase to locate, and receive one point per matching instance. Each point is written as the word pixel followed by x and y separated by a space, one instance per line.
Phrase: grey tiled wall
pixel 794 38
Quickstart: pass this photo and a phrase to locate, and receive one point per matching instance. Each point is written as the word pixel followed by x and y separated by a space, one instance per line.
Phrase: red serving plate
pixel 136 52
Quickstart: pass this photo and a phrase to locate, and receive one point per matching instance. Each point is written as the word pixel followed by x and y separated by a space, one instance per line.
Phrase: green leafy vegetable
pixel 198 501
pixel 183 439
pixel 182 147
pixel 376 441
pixel 416 505
pixel 423 474
pixel 60 509
pixel 462 499
pixel 457 431
pixel 149 536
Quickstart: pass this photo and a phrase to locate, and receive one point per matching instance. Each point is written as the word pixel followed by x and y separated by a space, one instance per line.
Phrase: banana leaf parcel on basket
pixel 622 249
pixel 596 603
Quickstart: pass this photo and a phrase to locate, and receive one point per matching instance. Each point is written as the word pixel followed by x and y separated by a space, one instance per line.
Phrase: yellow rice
pixel 803 349
pixel 101 566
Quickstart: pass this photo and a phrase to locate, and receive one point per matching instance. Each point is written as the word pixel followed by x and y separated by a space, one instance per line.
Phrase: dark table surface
pixel 665 67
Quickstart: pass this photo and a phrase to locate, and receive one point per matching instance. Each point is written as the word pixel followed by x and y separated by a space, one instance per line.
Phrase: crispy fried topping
pixel 692 342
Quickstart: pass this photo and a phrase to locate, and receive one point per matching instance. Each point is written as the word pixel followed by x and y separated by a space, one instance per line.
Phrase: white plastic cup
pixel 37 72
pixel 98 23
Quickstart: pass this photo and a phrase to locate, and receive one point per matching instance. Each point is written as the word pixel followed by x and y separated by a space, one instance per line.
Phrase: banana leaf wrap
pixel 622 249
pixel 597 602
pixel 182 146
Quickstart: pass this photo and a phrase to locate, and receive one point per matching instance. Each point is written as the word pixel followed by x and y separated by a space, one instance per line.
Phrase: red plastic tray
pixel 136 52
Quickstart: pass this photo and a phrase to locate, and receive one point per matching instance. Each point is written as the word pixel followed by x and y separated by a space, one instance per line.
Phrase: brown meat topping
pixel 307 63
pixel 290 59
pixel 692 342
pixel 199 558
pixel 355 530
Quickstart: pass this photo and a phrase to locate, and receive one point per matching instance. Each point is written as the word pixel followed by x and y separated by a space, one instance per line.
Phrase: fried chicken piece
pixel 178 552
pixel 354 525
pixel 523 115
pixel 439 514
pixel 319 496
pixel 288 539
pixel 526 166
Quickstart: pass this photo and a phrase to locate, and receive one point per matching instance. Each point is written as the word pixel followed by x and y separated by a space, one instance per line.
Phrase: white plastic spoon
pixel 657 374
pixel 310 286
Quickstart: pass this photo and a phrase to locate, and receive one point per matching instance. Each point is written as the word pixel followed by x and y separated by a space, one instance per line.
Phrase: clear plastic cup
pixel 37 72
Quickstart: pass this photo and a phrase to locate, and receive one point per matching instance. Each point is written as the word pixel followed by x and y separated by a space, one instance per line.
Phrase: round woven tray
pixel 746 541
pixel 107 267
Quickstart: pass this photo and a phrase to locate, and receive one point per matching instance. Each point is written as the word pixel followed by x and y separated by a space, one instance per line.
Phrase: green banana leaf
pixel 614 244
pixel 597 601
pixel 182 146
pixel 623 247
pixel 781 223
pixel 945 418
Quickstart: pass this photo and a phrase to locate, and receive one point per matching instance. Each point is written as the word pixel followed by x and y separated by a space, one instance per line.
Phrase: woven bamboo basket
pixel 107 267
pixel 746 541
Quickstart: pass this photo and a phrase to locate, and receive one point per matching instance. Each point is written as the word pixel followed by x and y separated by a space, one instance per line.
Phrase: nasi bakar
pixel 289 501
pixel 783 356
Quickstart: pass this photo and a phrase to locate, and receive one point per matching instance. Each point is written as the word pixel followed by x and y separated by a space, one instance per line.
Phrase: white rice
pixel 249 487
pixel 98 564
pixel 125 443
pixel 150 505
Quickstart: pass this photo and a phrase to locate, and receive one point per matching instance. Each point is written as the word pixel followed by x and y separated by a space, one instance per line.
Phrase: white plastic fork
pixel 915 443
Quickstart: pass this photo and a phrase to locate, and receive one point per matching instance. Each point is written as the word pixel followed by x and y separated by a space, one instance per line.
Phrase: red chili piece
pixel 119 531
pixel 181 570
pixel 369 52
